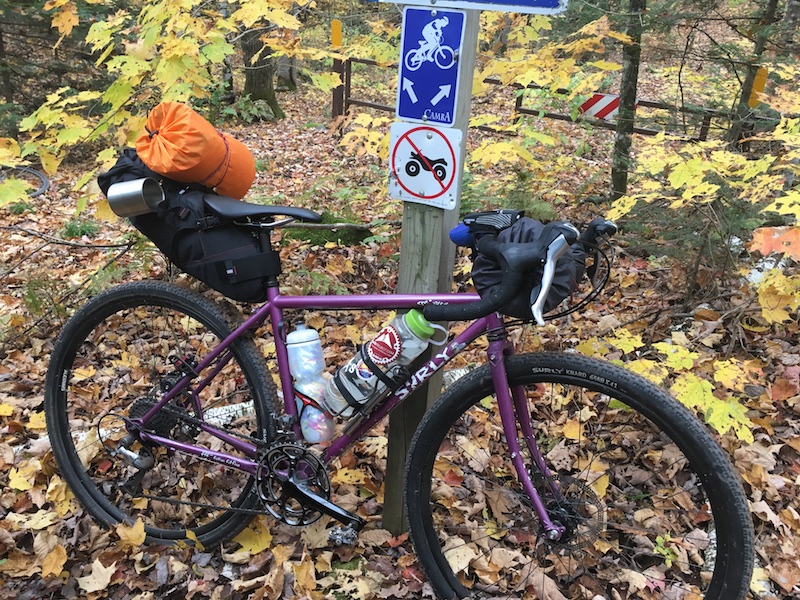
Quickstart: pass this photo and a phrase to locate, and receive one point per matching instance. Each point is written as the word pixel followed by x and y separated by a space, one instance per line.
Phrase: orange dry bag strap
pixel 226 162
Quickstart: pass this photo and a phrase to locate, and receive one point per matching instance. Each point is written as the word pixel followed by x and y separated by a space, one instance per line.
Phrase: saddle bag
pixel 225 256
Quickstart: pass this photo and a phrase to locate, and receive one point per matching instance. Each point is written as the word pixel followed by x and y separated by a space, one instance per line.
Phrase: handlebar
pixel 516 261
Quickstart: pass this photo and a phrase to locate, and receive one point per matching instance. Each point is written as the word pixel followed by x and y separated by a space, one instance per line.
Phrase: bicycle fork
pixel 513 407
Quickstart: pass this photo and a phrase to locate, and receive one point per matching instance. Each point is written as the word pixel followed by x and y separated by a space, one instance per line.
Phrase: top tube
pixel 369 301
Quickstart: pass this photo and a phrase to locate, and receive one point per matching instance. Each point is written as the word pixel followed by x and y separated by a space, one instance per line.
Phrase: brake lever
pixel 555 250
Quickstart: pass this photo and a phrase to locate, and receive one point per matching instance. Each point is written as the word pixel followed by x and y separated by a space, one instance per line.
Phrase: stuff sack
pixel 486 273
pixel 226 256
pixel 181 145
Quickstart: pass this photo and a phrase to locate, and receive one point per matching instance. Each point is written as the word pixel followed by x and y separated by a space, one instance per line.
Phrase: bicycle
pixel 37 181
pixel 443 56
pixel 535 475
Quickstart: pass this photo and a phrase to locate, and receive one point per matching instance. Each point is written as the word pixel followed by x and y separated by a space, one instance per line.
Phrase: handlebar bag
pixel 225 256
pixel 486 272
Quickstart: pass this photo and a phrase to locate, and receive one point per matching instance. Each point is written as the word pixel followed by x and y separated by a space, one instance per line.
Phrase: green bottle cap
pixel 419 325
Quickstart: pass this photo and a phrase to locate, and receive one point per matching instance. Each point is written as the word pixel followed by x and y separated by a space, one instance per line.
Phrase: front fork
pixel 514 410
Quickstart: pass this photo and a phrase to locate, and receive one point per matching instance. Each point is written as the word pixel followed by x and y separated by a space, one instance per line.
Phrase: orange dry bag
pixel 180 144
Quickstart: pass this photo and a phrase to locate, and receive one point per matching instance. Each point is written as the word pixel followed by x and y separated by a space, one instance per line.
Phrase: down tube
pixel 439 359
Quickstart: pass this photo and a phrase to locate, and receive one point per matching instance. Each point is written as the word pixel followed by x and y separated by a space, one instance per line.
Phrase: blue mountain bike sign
pixel 428 79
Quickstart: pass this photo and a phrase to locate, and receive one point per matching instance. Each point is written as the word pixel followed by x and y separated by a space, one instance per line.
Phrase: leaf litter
pixel 50 548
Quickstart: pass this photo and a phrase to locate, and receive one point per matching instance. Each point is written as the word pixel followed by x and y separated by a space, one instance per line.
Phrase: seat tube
pixel 505 402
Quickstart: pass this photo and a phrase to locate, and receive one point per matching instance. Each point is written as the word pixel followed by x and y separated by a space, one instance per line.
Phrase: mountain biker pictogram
pixel 431 48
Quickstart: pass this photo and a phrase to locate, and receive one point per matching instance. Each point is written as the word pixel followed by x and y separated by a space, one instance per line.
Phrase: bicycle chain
pixel 182 415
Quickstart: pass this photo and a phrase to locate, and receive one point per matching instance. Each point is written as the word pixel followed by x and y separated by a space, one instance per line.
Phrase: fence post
pixel 337 106
pixel 427 257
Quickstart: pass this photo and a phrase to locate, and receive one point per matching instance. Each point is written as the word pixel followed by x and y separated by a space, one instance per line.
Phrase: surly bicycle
pixel 536 475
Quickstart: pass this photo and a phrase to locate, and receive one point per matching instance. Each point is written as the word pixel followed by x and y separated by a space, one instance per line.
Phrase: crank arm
pixel 303 494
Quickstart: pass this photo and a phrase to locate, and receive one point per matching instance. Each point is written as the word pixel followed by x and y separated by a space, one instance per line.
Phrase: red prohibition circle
pixel 405 136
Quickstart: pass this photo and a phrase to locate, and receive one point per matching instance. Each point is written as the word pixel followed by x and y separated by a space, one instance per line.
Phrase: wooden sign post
pixel 427 258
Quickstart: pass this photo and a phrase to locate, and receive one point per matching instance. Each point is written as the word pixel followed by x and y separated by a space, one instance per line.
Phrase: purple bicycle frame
pixel 512 403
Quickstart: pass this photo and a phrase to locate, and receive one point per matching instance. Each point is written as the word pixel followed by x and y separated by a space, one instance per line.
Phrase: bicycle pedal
pixel 343 536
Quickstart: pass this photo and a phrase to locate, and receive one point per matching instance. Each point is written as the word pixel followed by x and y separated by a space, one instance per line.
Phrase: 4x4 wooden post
pixel 427 257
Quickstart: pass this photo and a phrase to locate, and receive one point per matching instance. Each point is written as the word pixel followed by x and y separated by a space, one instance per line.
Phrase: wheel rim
pixel 656 535
pixel 113 372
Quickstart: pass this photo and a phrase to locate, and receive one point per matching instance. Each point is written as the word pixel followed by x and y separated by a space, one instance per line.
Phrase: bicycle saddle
pixel 229 209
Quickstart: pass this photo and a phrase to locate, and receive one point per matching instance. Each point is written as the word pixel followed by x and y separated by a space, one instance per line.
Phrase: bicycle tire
pixel 109 363
pixel 38 180
pixel 444 57
pixel 414 60
pixel 634 492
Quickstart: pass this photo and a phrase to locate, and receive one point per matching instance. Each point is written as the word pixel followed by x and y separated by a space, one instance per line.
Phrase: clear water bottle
pixel 395 346
pixel 306 363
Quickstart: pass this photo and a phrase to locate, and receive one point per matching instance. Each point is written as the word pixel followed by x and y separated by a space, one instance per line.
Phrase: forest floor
pixel 50 549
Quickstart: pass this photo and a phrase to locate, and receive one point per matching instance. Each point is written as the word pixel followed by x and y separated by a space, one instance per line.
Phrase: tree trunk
pixel 791 20
pixel 259 72
pixel 631 55
pixel 743 109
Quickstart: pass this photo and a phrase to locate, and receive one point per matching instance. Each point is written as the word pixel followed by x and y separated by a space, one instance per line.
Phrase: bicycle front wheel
pixel 111 363
pixel 650 503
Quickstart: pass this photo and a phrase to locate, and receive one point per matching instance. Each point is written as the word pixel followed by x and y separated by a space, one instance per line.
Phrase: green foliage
pixel 19 208
pixel 220 108
pixel 483 193
pixel 77 228
pixel 317 283
pixel 322 236
pixel 42 295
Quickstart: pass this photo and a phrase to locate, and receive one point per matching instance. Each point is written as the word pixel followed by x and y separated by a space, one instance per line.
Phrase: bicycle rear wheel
pixel 651 504
pixel 112 361
pixel 36 181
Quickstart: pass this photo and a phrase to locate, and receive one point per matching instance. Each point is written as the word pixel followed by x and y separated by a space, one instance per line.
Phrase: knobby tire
pixel 108 365
pixel 651 502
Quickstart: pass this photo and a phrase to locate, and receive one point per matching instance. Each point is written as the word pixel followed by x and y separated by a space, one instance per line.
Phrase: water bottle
pixel 306 364
pixel 395 346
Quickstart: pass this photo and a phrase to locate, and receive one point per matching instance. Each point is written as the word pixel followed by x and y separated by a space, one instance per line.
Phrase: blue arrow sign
pixel 428 79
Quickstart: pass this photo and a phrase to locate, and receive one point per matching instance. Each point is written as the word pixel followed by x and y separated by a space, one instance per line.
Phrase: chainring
pixel 287 461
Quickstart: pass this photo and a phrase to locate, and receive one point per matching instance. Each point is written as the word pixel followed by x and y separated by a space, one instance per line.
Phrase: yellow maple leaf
pixel 36 421
pixel 724 415
pixel 729 373
pixel 693 391
pixel 255 538
pixel 61 496
pixel 573 429
pixel 53 563
pixel 22 478
pixel 625 340
pixel 6 410
pixel 131 536
pixel 678 357
pixel 348 476
pixel 304 574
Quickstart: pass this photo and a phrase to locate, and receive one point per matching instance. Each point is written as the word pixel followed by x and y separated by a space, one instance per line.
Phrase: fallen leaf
pixel 131 536
pixel 99 579
pixel 53 563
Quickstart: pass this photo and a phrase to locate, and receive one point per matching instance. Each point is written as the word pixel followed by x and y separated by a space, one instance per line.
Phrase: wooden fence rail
pixel 343 100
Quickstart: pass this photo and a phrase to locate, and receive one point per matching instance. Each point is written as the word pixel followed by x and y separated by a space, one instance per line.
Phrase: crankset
pixel 295 487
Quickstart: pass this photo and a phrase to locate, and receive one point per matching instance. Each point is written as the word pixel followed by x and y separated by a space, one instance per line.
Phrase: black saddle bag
pixel 226 256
